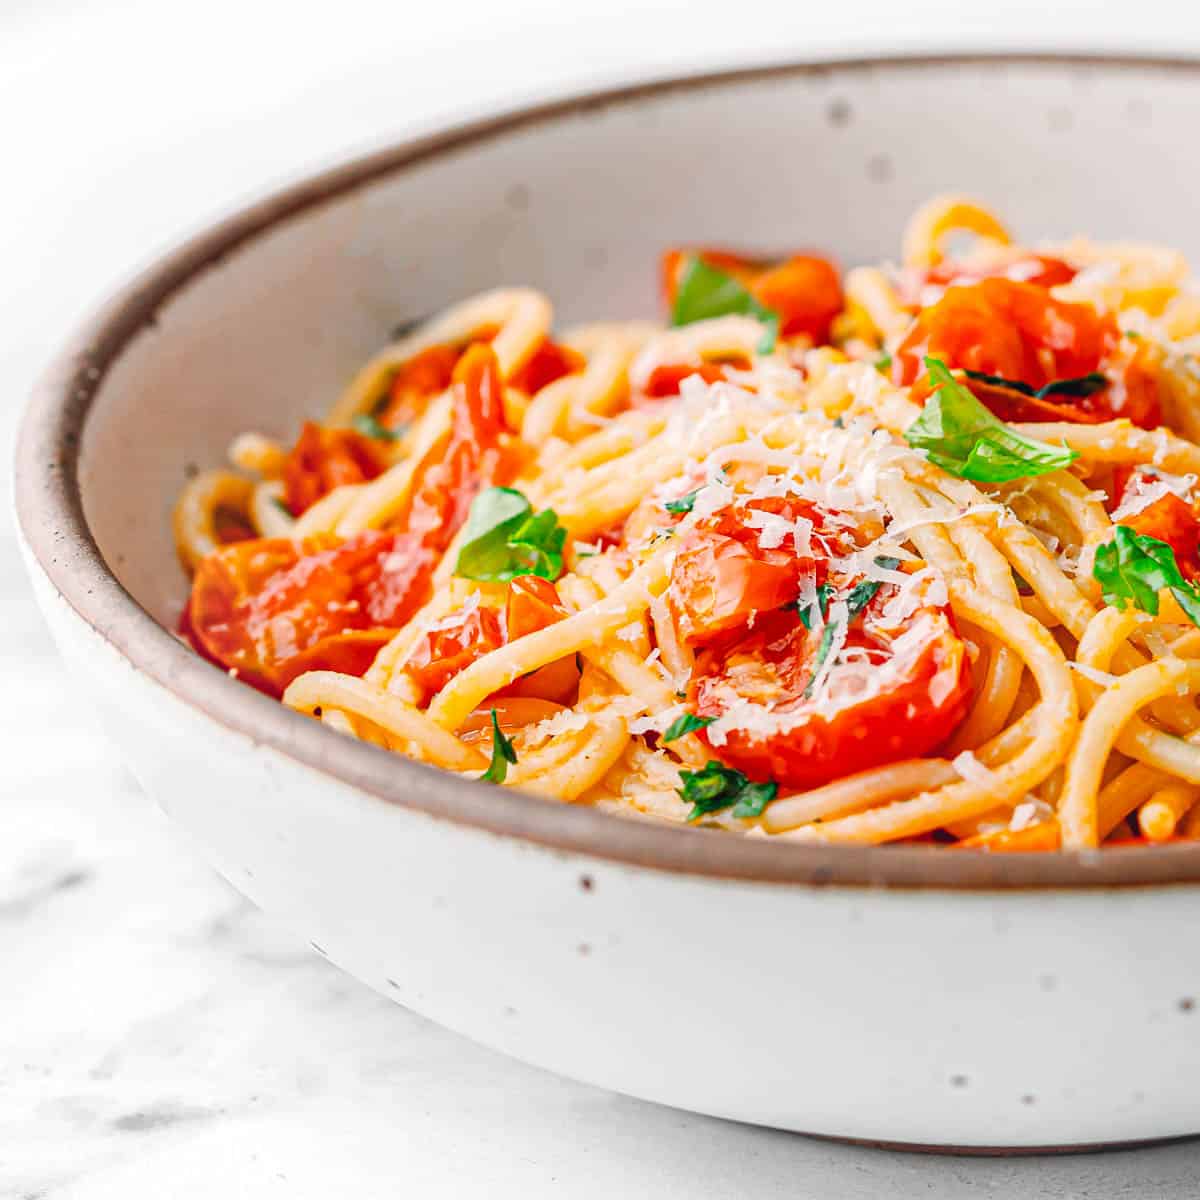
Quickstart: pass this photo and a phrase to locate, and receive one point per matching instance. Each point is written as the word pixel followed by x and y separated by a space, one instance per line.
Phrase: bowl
pixel 906 995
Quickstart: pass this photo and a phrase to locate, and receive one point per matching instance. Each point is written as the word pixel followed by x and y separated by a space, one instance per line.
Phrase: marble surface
pixel 158 1037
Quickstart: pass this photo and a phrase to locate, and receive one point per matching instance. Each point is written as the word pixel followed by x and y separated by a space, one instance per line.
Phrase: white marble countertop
pixel 158 1037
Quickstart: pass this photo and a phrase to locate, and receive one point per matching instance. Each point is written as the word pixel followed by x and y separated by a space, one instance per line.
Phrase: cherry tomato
pixel 549 363
pixel 454 644
pixel 532 604
pixel 1041 270
pixel 271 609
pixel 477 453
pixel 424 376
pixel 324 459
pixel 722 576
pixel 1002 327
pixel 905 710
pixel 805 290
pixel 664 380
pixel 1169 519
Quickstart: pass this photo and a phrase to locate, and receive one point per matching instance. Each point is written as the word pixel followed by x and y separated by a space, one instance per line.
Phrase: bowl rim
pixel 51 520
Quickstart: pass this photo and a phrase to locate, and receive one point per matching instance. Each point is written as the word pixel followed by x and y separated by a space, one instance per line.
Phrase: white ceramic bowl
pixel 909 995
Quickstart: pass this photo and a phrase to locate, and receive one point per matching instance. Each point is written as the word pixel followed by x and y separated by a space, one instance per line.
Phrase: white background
pixel 156 1038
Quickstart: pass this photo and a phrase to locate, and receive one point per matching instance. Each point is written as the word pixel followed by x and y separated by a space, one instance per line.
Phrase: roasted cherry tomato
pixel 456 641
pixel 532 604
pixel 901 699
pixel 424 376
pixel 722 576
pixel 664 380
pixel 324 459
pixel 804 290
pixel 1041 270
pixel 550 362
pixel 1001 327
pixel 454 644
pixel 1169 519
pixel 271 609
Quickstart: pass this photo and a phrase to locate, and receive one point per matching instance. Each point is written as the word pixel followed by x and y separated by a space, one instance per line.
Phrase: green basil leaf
pixel 863 592
pixel 368 426
pixel 505 538
pixel 502 754
pixel 684 504
pixel 964 439
pixel 706 292
pixel 1133 568
pixel 282 505
pixel 1081 385
pixel 883 363
pixel 823 648
pixel 687 723
pixel 824 595
pixel 717 786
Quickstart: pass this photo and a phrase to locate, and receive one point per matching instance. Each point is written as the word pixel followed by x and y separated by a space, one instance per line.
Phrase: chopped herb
pixel 687 723
pixel 824 595
pixel 502 754
pixel 883 363
pixel 1024 588
pixel 838 423
pixel 1082 385
pixel 1133 568
pixel 282 505
pixel 717 786
pixel 706 292
pixel 505 538
pixel 963 438
pixel 684 504
pixel 823 648
pixel 1131 334
pixel 863 592
pixel 369 426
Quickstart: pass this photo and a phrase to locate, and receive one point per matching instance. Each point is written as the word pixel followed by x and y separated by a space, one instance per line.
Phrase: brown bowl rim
pixel 50 515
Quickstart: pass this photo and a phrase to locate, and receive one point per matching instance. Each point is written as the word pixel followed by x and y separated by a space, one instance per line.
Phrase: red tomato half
pixel 324 459
pixel 550 362
pixel 454 643
pixel 271 608
pixel 722 577
pixel 805 290
pixel 1169 519
pixel 424 376
pixel 1041 270
pixel 908 715
pixel 1000 327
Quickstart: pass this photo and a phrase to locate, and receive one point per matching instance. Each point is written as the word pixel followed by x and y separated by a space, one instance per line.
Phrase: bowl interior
pixel 579 202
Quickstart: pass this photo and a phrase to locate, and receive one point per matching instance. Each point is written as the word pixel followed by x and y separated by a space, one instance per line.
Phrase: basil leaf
pixel 823 648
pixel 824 595
pixel 706 292
pixel 863 592
pixel 502 754
pixel 368 426
pixel 964 439
pixel 717 786
pixel 687 723
pixel 505 538
pixel 1133 568
pixel 1082 385
pixel 883 363
pixel 684 504
pixel 283 507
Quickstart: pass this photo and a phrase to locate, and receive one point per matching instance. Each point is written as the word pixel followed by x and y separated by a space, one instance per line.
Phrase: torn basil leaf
pixel 686 723
pixel 705 292
pixel 505 538
pixel 716 786
pixel 502 754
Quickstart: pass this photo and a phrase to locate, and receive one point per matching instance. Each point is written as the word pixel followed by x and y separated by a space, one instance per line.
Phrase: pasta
pixel 909 554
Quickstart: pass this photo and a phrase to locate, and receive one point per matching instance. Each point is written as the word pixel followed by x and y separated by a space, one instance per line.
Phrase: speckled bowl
pixel 908 995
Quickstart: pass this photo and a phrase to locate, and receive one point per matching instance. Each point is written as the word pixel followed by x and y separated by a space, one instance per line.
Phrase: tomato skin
pixel 1002 327
pixel 773 664
pixel 455 642
pixel 550 362
pixel 722 576
pixel 532 604
pixel 664 380
pixel 424 376
pixel 804 289
pixel 1170 520
pixel 324 459
pixel 271 609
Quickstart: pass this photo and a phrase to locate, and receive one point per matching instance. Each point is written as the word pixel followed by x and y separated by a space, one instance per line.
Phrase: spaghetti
pixel 909 554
